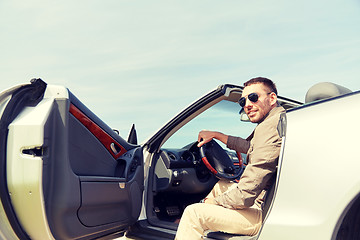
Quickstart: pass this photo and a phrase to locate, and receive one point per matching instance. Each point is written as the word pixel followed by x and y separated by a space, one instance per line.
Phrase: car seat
pixel 325 90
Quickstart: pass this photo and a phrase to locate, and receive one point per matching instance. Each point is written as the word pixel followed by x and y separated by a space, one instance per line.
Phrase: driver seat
pixel 211 235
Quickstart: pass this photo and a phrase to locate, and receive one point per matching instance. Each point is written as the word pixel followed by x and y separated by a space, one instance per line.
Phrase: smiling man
pixel 237 207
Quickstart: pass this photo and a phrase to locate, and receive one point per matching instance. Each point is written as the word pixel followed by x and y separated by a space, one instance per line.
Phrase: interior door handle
pixel 114 148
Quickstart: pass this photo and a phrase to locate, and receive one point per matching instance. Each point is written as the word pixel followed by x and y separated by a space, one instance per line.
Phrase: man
pixel 237 207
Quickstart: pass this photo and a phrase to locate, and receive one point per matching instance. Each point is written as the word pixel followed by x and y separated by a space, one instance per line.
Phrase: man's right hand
pixel 206 136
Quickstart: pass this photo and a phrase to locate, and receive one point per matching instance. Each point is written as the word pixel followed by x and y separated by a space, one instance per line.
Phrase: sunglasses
pixel 253 97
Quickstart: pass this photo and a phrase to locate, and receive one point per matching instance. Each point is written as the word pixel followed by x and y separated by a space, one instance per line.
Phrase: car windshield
pixel 223 116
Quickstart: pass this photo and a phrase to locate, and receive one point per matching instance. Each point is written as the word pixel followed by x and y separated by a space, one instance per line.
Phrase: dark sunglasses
pixel 253 97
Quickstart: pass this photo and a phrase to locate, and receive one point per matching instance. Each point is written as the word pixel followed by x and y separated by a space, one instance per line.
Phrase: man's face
pixel 258 110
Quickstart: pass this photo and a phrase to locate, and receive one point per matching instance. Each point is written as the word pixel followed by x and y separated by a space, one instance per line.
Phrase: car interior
pixel 179 176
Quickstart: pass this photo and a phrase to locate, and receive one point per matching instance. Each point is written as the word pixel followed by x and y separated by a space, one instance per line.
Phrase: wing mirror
pixel 243 116
pixel 132 138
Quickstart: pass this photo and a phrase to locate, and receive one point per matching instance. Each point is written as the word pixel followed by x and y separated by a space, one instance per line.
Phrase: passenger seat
pixel 325 90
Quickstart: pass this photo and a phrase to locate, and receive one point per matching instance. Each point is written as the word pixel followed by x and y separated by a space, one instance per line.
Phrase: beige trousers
pixel 199 217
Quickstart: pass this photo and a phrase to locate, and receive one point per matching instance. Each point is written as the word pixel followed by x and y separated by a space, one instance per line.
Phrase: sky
pixel 143 61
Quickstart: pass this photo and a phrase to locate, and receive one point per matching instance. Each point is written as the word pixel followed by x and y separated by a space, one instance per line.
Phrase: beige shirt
pixel 263 149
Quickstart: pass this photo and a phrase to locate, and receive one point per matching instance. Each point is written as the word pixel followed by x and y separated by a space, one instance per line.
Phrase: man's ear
pixel 273 99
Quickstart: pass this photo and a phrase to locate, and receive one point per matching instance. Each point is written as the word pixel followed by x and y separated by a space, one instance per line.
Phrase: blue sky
pixel 143 61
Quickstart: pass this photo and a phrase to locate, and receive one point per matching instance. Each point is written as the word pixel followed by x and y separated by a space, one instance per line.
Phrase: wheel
pixel 218 161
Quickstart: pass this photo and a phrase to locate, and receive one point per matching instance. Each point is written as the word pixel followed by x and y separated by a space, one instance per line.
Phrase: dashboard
pixel 182 170
pixel 186 157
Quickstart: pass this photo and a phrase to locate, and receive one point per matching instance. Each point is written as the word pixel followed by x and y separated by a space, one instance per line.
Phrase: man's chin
pixel 253 120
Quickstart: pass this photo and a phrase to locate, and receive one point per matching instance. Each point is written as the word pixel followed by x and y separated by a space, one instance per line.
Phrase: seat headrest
pixel 325 90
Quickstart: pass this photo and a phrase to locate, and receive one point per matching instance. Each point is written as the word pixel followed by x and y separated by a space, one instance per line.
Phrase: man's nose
pixel 248 103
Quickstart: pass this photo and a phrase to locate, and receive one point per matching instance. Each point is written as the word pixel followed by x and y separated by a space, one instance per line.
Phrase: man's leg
pixel 200 217
pixel 220 187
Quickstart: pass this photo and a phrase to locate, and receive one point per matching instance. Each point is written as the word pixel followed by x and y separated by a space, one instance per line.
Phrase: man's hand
pixel 206 136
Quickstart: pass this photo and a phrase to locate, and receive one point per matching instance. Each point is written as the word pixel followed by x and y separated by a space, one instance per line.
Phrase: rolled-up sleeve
pixel 238 144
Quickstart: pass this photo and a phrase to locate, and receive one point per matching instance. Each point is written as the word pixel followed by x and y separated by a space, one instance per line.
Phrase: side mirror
pixel 243 116
pixel 132 138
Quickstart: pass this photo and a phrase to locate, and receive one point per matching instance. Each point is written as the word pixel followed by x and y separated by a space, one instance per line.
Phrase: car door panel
pixel 114 148
pixel 86 155
pixel 106 201
pixel 113 199
pixel 90 180
pixel 104 195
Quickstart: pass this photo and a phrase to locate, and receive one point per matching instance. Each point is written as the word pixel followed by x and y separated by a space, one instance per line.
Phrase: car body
pixel 65 174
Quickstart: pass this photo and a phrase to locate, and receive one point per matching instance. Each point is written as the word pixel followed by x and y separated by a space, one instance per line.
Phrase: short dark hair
pixel 267 82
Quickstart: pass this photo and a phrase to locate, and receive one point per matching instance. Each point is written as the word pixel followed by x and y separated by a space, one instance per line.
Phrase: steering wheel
pixel 218 161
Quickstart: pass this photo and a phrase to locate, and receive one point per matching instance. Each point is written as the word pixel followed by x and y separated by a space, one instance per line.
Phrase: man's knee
pixel 191 210
pixel 198 213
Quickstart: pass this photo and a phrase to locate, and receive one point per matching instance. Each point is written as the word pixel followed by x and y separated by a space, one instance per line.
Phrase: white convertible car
pixel 65 174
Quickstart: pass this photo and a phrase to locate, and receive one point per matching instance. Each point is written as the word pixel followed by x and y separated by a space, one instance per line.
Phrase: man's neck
pixel 266 115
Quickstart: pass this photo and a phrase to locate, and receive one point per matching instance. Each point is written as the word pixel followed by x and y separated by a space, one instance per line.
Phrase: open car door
pixel 64 173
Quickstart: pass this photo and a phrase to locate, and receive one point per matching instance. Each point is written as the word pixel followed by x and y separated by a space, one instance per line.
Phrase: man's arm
pixel 235 143
pixel 263 161
pixel 238 144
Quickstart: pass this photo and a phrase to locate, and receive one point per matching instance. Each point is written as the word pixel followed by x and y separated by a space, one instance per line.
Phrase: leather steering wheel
pixel 218 161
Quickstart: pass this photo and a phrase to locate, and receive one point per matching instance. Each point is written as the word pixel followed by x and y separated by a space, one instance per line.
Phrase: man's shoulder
pixel 271 121
pixel 277 111
pixel 274 116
